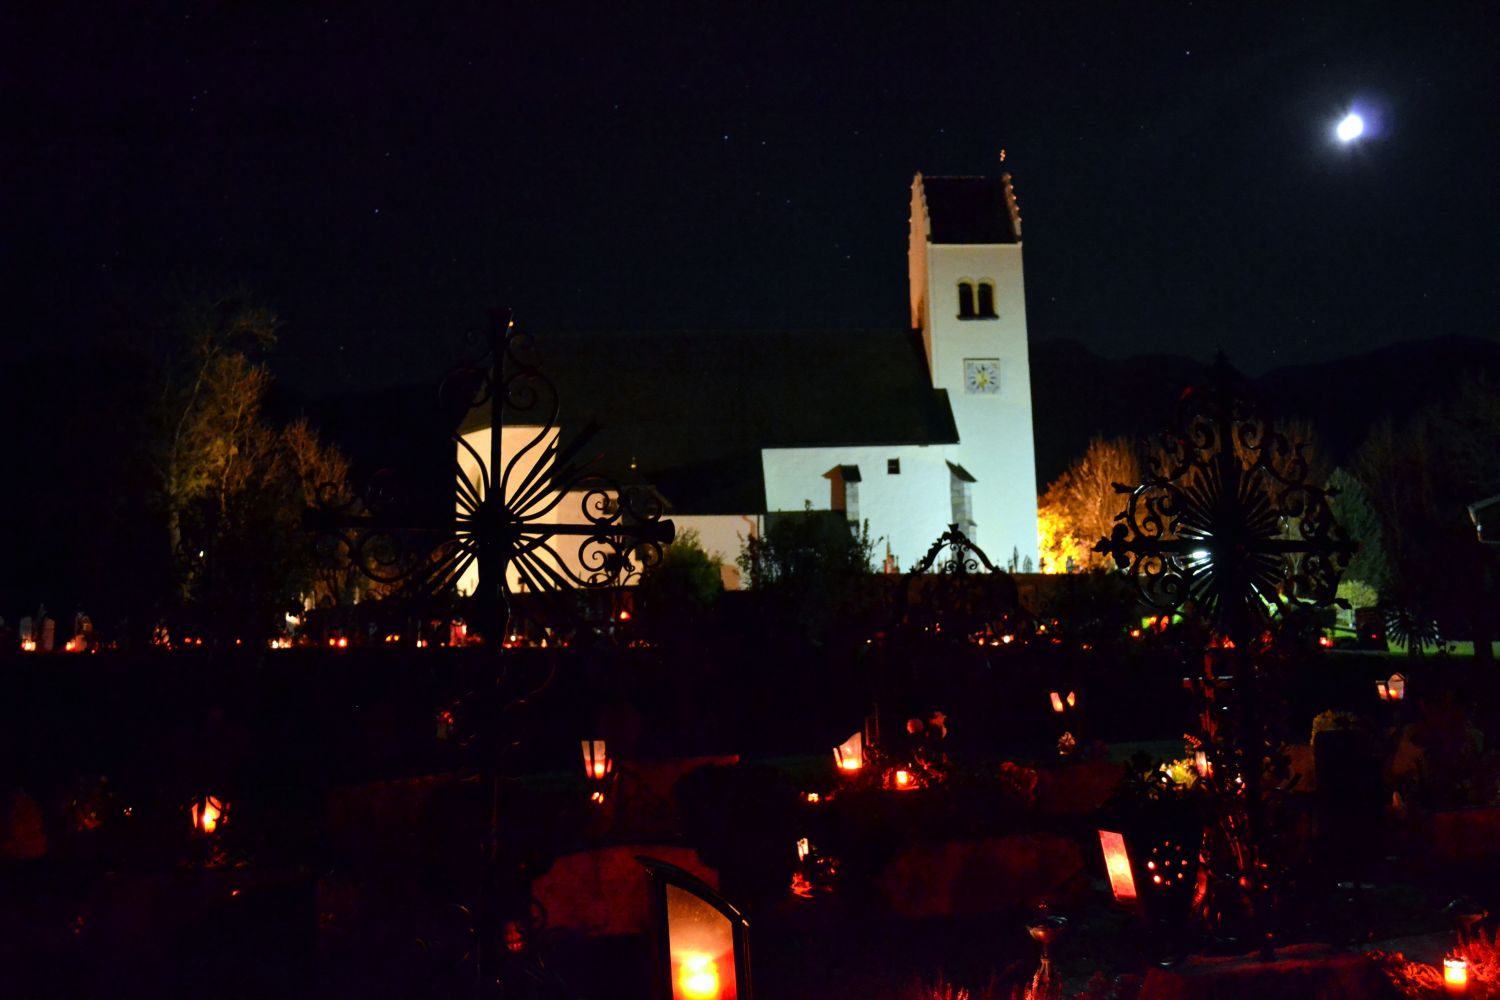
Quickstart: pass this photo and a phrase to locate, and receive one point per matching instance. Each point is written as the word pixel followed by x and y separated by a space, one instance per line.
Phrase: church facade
pixel 907 429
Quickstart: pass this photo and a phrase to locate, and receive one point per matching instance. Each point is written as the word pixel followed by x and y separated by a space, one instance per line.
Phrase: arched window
pixel 987 300
pixel 966 300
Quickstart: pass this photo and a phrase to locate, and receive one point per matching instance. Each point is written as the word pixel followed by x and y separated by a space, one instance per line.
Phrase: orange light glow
pixel 1117 864
pixel 624 615
pixel 1325 642
pixel 698 977
pixel 813 798
pixel 1456 976
pixel 28 645
pixel 1397 687
pixel 596 762
pixel 1381 690
pixel 597 798
pixel 850 755
pixel 1007 639
pixel 207 819
pixel 1135 633
pixel 803 849
pixel 904 780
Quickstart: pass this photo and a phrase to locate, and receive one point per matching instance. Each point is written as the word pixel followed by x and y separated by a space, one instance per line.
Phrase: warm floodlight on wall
pixel 700 942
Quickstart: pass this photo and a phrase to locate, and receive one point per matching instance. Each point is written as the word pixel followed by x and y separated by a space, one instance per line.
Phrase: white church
pixel 908 429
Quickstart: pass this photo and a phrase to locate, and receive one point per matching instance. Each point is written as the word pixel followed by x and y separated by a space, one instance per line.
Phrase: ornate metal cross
pixel 1227 519
pixel 508 502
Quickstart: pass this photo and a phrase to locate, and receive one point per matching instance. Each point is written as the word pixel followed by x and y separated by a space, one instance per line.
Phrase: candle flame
pixel 698 977
pixel 208 819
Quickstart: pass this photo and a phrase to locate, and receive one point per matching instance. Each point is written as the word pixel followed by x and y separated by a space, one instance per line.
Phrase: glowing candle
pixel 850 755
pixel 697 976
pixel 1117 864
pixel 1456 976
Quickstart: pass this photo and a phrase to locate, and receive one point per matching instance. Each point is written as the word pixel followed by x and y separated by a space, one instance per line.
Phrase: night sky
pixel 384 180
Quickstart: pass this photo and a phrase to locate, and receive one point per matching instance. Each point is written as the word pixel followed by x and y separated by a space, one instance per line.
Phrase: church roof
pixel 970 210
pixel 690 411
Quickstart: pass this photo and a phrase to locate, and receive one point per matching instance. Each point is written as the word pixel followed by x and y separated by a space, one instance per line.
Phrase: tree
pixel 231 486
pixel 1370 567
pixel 1419 479
pixel 816 564
pixel 1079 508
pixel 685 582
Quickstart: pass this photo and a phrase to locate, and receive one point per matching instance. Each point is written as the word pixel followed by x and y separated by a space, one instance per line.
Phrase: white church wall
pixel 723 536
pixel 995 431
pixel 512 441
pixel 908 510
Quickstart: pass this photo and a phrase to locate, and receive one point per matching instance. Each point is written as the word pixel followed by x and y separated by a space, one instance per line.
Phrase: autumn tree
pixel 232 486
pixel 1079 507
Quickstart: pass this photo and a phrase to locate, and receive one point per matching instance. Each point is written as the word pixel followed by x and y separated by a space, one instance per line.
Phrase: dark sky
pixel 384 180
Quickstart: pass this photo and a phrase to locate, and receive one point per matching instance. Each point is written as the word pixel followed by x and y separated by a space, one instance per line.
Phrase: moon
pixel 1350 128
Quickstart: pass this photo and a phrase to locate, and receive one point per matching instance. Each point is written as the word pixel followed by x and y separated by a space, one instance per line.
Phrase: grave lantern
pixel 1146 872
pixel 1456 976
pixel 1061 703
pixel 1396 687
pixel 850 754
pixel 1382 691
pixel 208 814
pixel 596 762
pixel 700 942
pixel 1117 865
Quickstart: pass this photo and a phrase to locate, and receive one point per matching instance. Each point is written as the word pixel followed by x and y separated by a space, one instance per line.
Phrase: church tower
pixel 967 298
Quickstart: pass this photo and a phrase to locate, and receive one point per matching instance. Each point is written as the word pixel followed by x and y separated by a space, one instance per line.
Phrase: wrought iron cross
pixel 1227 518
pixel 508 502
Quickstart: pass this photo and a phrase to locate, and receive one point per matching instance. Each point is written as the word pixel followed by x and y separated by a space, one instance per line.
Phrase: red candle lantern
pixel 850 754
pixel 700 942
pixel 596 763
pixel 1117 866
pixel 208 814
pixel 1456 976
pixel 1396 687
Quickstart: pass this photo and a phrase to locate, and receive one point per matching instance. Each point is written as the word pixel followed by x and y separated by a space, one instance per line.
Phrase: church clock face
pixel 981 376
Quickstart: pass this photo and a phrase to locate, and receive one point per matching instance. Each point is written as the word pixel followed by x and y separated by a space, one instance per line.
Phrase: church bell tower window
pixel 966 300
pixel 986 300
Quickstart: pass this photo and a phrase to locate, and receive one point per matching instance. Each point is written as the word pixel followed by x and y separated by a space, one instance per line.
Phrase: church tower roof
pixel 971 210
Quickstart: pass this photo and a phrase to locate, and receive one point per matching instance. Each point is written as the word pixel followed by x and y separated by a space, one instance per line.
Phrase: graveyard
pixel 1180 776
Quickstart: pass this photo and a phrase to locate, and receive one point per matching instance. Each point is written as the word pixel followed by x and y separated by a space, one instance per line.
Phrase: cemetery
pixel 1172 778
